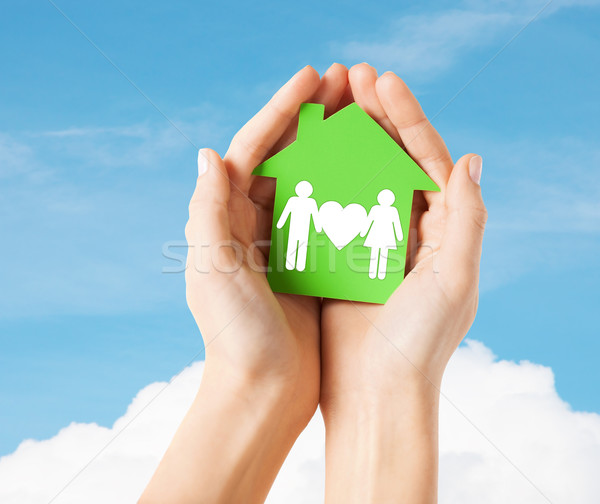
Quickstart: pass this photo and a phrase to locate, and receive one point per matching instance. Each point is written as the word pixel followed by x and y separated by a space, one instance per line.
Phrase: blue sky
pixel 94 180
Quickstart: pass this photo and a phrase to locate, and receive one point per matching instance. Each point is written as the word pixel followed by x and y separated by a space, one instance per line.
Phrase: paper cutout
pixel 342 224
pixel 342 207
pixel 383 230
pixel 300 209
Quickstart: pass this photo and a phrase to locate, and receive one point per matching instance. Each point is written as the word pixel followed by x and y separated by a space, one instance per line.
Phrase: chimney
pixel 311 115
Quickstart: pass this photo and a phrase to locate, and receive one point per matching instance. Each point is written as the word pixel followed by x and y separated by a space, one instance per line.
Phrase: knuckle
pixel 479 215
pixel 475 215
pixel 255 150
pixel 191 230
pixel 281 111
pixel 195 207
pixel 187 230
pixel 417 123
pixel 436 161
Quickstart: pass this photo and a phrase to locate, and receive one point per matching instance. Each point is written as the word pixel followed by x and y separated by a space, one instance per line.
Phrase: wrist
pixel 368 404
pixel 290 400
pixel 245 390
pixel 387 442
pixel 374 390
pixel 247 424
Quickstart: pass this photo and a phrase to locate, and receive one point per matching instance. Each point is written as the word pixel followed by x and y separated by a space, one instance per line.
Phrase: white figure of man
pixel 300 209
pixel 383 230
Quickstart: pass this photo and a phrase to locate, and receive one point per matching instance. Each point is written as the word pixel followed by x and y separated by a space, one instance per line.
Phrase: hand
pixel 250 333
pixel 382 365
pixel 370 347
pixel 261 378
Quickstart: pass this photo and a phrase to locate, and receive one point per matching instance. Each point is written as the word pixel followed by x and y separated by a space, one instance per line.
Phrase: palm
pixel 294 320
pixel 251 207
pixel 367 346
pixel 247 328
pixel 370 332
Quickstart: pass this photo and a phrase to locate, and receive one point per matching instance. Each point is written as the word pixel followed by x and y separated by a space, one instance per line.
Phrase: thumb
pixel 460 252
pixel 207 230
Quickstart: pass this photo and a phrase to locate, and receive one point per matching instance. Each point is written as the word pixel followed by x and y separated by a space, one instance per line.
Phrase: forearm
pixel 383 450
pixel 229 446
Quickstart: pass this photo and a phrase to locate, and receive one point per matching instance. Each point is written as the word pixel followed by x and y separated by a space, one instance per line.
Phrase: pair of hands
pixel 306 350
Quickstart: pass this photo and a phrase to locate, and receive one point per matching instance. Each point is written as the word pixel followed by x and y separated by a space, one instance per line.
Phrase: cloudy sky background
pixel 94 181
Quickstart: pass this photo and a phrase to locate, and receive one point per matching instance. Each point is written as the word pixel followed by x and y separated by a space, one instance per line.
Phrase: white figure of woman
pixel 383 231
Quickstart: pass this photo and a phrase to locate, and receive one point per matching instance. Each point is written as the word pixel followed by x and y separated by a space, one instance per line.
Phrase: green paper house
pixel 342 207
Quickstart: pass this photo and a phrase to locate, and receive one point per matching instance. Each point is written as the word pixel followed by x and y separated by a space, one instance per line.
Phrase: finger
pixel 362 78
pixel 207 230
pixel 347 98
pixel 332 87
pixel 421 140
pixel 329 93
pixel 250 145
pixel 334 84
pixel 460 251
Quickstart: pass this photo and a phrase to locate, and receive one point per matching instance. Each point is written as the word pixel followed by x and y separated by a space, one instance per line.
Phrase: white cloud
pixel 518 408
pixel 133 146
pixel 90 208
pixel 424 45
pixel 427 44
pixel 135 130
pixel 17 159
pixel 514 404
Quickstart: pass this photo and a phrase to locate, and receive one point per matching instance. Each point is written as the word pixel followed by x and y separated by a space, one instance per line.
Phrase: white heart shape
pixel 341 225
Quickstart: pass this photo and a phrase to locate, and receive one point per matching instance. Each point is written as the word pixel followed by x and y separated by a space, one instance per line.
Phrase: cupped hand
pixel 373 350
pixel 250 333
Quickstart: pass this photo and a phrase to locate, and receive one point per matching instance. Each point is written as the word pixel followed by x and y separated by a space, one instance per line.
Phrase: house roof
pixel 349 149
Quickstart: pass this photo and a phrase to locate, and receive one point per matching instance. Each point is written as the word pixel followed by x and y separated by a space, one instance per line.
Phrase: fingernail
pixel 475 167
pixel 202 162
